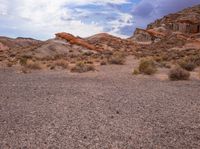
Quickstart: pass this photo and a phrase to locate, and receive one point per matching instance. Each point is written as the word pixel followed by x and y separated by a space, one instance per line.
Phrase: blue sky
pixel 41 19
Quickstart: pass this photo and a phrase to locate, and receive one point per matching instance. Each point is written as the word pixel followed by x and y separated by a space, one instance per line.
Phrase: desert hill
pixel 170 38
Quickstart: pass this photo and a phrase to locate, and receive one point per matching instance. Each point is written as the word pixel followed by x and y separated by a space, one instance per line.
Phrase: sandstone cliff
pixel 185 22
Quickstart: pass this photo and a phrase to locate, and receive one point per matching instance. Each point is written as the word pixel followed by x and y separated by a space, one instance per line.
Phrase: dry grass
pixel 33 65
pixel 62 63
pixel 147 66
pixel 178 73
pixel 117 58
pixel 81 67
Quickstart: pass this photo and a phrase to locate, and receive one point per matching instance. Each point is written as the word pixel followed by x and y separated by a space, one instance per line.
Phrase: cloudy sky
pixel 42 18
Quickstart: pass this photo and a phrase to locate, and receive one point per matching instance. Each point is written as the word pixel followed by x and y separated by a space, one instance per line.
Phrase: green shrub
pixel 178 73
pixel 147 66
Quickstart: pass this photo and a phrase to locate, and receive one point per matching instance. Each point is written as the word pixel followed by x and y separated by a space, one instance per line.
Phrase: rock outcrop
pixel 185 22
pixel 141 35
pixel 75 40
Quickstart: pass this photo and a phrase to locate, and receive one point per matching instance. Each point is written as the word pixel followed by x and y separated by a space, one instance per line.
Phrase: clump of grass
pixel 178 73
pixel 81 67
pixel 62 63
pixel 117 58
pixel 147 66
pixel 187 64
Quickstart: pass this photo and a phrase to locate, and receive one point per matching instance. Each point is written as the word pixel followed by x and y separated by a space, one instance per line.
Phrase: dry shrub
pixel 178 73
pixel 199 74
pixel 23 61
pixel 117 58
pixel 25 70
pixel 62 63
pixel 9 64
pixel 187 64
pixel 103 62
pixel 136 72
pixel 33 65
pixel 195 59
pixel 82 67
pixel 147 66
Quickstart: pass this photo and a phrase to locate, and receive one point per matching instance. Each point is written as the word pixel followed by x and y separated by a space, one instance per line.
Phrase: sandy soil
pixel 107 109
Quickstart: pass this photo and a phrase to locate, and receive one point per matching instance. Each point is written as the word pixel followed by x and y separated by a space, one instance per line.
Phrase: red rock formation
pixel 75 40
pixel 186 21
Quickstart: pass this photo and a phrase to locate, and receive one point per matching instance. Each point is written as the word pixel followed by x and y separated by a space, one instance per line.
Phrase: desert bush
pixel 147 66
pixel 82 67
pixel 158 58
pixel 33 65
pixel 117 58
pixel 187 65
pixel 195 59
pixel 23 61
pixel 62 63
pixel 103 62
pixel 136 72
pixel 178 73
pixel 25 70
pixel 9 64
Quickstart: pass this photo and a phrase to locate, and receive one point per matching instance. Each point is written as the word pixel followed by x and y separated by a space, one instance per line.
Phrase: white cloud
pixel 47 17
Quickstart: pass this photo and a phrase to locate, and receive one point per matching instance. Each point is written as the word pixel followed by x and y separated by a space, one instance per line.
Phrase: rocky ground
pixel 106 109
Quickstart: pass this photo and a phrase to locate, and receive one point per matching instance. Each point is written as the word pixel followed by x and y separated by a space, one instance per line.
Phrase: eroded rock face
pixel 186 21
pixel 74 40
pixel 141 35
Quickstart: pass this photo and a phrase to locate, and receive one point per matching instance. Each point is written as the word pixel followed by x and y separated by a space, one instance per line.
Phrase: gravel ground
pixel 109 109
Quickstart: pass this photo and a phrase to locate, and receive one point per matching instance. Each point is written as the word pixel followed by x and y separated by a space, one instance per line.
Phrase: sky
pixel 41 19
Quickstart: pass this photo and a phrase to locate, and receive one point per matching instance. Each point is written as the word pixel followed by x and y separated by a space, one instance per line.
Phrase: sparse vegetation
pixel 23 61
pixel 147 66
pixel 33 65
pixel 117 58
pixel 82 67
pixel 9 64
pixel 62 63
pixel 178 73
pixel 103 62
pixel 187 64
pixel 136 72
